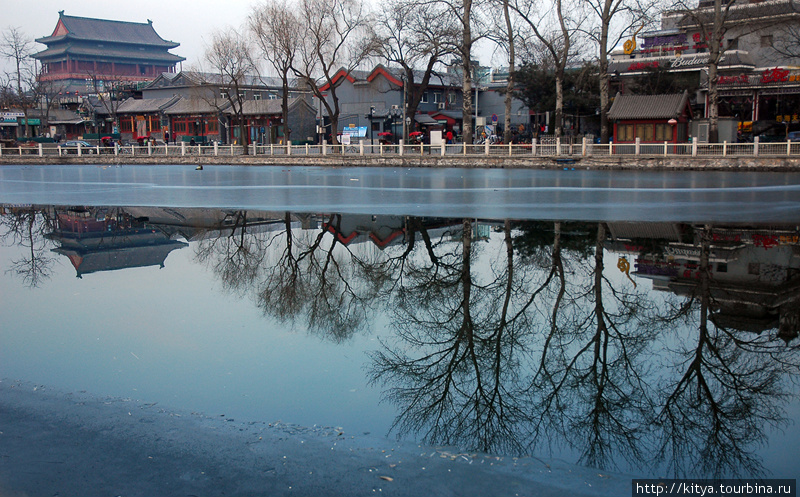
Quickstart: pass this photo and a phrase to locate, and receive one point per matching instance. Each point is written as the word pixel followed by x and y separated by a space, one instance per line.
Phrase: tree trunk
pixel 510 83
pixel 559 117
pixel 605 98
pixel 714 56
pixel 466 55
pixel 285 105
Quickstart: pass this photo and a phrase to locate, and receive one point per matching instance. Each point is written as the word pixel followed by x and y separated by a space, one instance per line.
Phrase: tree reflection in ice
pixel 27 227
pixel 511 337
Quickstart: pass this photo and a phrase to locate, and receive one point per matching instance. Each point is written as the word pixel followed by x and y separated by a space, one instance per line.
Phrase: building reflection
pixel 754 273
pixel 99 239
pixel 510 337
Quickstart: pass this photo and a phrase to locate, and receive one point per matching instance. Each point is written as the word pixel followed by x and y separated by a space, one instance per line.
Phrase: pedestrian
pixel 449 137
pixel 166 137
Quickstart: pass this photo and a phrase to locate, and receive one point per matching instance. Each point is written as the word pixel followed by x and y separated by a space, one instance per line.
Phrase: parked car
pixel 72 147
pixel 794 136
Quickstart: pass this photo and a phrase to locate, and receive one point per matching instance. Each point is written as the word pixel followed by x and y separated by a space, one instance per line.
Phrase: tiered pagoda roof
pixel 82 37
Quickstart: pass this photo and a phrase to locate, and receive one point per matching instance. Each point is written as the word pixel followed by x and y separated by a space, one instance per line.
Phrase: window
pixel 722 267
pixel 223 94
pixel 256 96
pixel 663 132
pixel 451 98
pixel 424 99
pixel 625 132
pixel 272 96
pixel 437 97
pixel 733 44
pixel 644 132
pixel 126 124
pixel 766 41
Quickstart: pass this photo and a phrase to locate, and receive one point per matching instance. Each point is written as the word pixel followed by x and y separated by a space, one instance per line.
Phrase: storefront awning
pixel 425 119
pixel 67 121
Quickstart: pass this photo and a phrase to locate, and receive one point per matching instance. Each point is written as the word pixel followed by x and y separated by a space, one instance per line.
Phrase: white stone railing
pixel 553 149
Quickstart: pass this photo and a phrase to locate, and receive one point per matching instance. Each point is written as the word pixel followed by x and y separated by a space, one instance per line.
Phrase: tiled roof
pixel 648 106
pixel 117 52
pixel 133 105
pixel 100 30
pixel 249 80
pixel 437 78
pixel 196 106
pixel 265 107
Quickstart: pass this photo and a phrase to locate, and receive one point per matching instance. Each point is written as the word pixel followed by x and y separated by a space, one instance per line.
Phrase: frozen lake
pixel 642 323
pixel 572 194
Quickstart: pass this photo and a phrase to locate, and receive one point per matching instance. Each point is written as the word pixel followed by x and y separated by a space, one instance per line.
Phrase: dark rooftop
pixel 648 106
pixel 102 30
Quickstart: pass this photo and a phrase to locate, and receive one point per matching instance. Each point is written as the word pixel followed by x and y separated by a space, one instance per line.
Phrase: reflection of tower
pixel 755 273
pixel 96 239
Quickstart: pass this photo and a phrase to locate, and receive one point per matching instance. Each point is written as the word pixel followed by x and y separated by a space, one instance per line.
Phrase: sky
pixel 189 23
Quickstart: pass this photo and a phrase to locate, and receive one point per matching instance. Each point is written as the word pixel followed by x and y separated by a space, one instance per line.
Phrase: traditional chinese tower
pixel 83 55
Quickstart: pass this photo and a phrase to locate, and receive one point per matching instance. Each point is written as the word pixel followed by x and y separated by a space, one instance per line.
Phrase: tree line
pixel 557 53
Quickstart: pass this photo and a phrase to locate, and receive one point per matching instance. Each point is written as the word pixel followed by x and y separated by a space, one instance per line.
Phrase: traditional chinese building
pixel 87 56
pixel 651 118
pixel 758 82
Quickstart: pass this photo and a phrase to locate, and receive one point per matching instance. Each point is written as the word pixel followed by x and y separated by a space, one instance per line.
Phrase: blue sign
pixel 360 131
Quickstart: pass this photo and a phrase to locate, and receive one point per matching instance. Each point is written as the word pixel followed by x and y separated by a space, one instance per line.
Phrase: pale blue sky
pixel 186 22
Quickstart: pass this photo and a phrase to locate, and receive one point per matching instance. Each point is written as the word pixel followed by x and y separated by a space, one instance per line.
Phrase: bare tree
pixel 230 57
pixel 18 47
pixel 109 94
pixel 337 37
pixel 463 11
pixel 557 41
pixel 612 20
pixel 511 68
pixel 46 93
pixel 278 34
pixel 506 39
pixel 415 37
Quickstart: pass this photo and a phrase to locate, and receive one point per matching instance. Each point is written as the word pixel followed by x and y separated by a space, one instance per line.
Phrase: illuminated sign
pixel 664 40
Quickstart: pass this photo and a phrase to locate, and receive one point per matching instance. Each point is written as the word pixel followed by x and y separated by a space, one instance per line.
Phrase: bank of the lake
pixel 741 163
